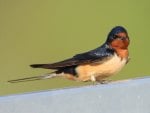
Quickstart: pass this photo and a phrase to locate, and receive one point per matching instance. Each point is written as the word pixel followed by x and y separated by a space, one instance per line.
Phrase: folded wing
pixel 99 54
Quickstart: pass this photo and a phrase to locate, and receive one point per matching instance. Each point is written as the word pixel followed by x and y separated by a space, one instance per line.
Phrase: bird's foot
pixel 104 81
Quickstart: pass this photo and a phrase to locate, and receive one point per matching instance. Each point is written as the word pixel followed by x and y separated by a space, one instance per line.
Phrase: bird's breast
pixel 107 68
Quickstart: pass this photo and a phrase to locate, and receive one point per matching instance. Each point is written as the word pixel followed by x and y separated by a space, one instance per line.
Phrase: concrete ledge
pixel 131 96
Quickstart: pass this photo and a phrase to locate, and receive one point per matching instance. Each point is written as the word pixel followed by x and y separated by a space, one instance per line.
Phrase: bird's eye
pixel 123 38
pixel 115 37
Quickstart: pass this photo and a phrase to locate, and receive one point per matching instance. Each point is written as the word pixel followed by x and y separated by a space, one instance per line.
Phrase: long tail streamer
pixel 45 76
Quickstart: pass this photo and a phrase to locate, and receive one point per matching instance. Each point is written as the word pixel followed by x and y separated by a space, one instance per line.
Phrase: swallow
pixel 94 65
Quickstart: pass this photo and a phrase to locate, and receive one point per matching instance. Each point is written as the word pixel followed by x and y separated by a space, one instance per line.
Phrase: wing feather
pixel 100 54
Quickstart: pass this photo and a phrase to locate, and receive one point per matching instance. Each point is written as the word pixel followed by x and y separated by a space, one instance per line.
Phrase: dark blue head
pixel 114 32
pixel 118 38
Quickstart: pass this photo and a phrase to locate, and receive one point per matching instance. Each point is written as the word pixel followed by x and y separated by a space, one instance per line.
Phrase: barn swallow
pixel 94 65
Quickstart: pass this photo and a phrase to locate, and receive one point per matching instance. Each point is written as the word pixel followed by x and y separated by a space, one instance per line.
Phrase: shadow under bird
pixel 94 65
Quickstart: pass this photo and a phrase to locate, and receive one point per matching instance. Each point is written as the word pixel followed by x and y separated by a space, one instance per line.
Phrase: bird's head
pixel 118 38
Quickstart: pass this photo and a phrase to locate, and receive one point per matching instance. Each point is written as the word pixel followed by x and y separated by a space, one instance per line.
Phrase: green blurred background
pixel 34 31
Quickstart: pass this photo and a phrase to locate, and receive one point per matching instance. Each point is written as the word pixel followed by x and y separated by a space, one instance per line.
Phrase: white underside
pixel 110 67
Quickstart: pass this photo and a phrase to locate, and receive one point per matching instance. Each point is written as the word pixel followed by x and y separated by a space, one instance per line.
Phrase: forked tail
pixel 41 77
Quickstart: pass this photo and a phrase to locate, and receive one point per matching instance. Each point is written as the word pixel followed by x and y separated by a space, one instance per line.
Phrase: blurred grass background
pixel 44 31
